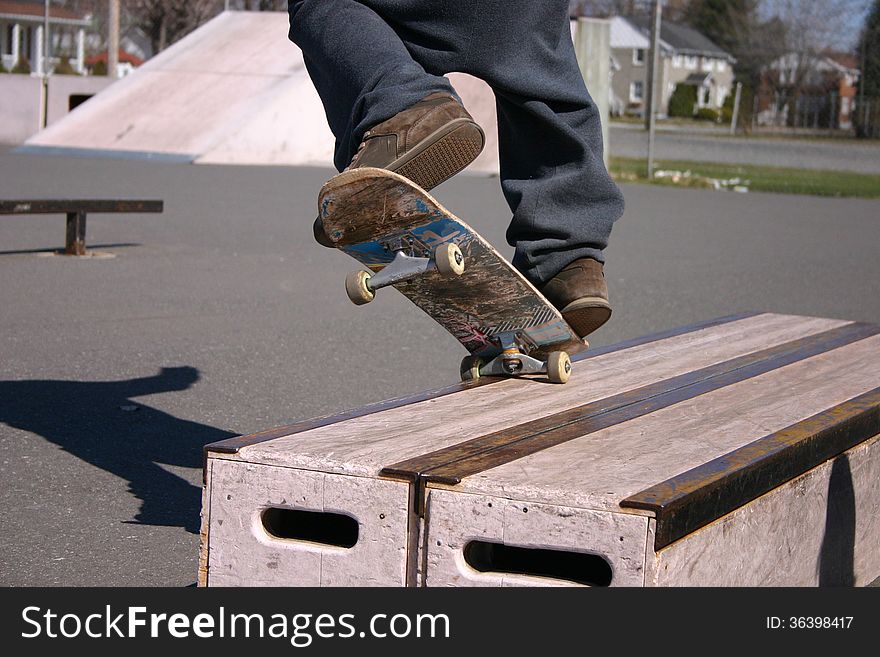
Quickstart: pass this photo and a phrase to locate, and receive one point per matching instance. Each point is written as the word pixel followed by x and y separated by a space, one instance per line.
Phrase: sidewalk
pixel 800 153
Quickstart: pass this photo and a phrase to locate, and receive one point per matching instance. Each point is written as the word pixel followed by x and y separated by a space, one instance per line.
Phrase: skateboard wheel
pixel 470 368
pixel 357 287
pixel 449 259
pixel 558 367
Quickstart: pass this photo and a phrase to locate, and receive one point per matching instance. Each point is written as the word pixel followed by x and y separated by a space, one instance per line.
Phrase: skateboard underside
pixel 374 215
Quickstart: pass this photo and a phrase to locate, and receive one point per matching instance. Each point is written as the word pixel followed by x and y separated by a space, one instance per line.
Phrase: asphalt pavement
pixel 222 317
pixel 629 140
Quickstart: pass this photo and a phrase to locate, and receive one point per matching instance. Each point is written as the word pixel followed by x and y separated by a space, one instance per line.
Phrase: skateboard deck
pixel 372 214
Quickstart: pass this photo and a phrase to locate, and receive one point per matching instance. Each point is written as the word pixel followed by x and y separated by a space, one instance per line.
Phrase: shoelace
pixel 363 145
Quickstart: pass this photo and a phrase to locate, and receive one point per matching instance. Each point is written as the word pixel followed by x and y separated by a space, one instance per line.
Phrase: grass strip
pixel 779 180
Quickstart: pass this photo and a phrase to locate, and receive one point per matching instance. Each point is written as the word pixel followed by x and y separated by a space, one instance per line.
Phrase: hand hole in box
pixel 577 567
pixel 321 527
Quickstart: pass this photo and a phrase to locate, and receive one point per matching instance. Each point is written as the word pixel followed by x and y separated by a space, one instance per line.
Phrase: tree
pixel 869 54
pixel 266 5
pixel 22 66
pixel 672 9
pixel 810 29
pixel 867 114
pixel 735 25
pixel 608 8
pixel 724 21
pixel 167 21
pixel 683 100
pixel 64 67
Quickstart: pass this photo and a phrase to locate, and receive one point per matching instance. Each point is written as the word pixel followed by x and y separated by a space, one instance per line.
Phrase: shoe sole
pixel 439 156
pixel 442 154
pixel 587 314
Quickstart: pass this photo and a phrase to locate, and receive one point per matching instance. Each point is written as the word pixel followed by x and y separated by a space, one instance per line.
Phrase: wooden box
pixel 740 451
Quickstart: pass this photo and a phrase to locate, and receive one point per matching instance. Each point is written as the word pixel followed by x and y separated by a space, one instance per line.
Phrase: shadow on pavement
pixel 56 250
pixel 99 423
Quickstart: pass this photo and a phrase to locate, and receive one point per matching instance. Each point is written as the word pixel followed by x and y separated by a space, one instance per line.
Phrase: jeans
pixel 370 59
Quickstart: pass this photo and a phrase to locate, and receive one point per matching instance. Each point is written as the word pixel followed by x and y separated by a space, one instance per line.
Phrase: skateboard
pixel 406 239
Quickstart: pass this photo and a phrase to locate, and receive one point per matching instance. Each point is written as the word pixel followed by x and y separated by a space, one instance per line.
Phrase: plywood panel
pixel 602 468
pixel 243 553
pixel 820 529
pixel 454 519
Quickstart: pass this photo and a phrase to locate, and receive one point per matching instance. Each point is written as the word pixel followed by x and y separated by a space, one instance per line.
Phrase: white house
pixel 630 50
pixel 21 35
pixel 686 57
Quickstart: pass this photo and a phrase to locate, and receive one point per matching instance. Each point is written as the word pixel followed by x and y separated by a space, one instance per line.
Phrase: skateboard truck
pixel 447 259
pixel 511 361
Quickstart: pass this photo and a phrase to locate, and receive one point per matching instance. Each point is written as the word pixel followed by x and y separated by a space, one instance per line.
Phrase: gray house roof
pixel 682 39
pixel 626 35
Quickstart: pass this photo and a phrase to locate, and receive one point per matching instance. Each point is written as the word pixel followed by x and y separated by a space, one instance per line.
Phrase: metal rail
pixel 76 211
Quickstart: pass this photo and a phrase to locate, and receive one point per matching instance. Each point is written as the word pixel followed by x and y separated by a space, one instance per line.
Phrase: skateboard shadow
pixel 837 555
pixel 99 423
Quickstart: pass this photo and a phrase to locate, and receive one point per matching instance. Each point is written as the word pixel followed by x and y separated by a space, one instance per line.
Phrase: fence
pixel 829 113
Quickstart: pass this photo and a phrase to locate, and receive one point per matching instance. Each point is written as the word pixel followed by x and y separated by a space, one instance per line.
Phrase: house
pixel 629 54
pixel 686 57
pixel 800 89
pixel 21 35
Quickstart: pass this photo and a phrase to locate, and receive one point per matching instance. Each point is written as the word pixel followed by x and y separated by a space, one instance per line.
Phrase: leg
pixel 563 200
pixel 550 145
pixel 360 66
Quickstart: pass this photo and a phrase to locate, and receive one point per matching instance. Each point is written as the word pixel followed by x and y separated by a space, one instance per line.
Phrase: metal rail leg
pixel 76 234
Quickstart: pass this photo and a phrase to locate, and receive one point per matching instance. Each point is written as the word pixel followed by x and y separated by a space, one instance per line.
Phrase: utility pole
pixel 44 66
pixel 736 101
pixel 861 126
pixel 113 41
pixel 651 106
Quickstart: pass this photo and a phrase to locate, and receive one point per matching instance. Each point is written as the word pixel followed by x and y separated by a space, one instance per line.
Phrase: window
pixel 707 65
pixel 10 37
pixel 638 56
pixel 636 91
pixel 678 61
pixel 690 62
pixel 720 66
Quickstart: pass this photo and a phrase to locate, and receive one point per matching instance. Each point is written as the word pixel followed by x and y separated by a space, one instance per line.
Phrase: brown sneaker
pixel 579 291
pixel 428 143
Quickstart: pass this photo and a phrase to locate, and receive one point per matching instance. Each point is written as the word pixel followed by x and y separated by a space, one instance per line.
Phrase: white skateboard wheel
pixel 449 259
pixel 558 367
pixel 357 287
pixel 470 368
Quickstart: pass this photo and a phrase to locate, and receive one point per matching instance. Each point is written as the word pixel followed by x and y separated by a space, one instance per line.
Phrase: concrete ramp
pixel 235 91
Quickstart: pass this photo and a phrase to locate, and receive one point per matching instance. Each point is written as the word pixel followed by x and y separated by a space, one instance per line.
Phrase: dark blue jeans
pixel 371 59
